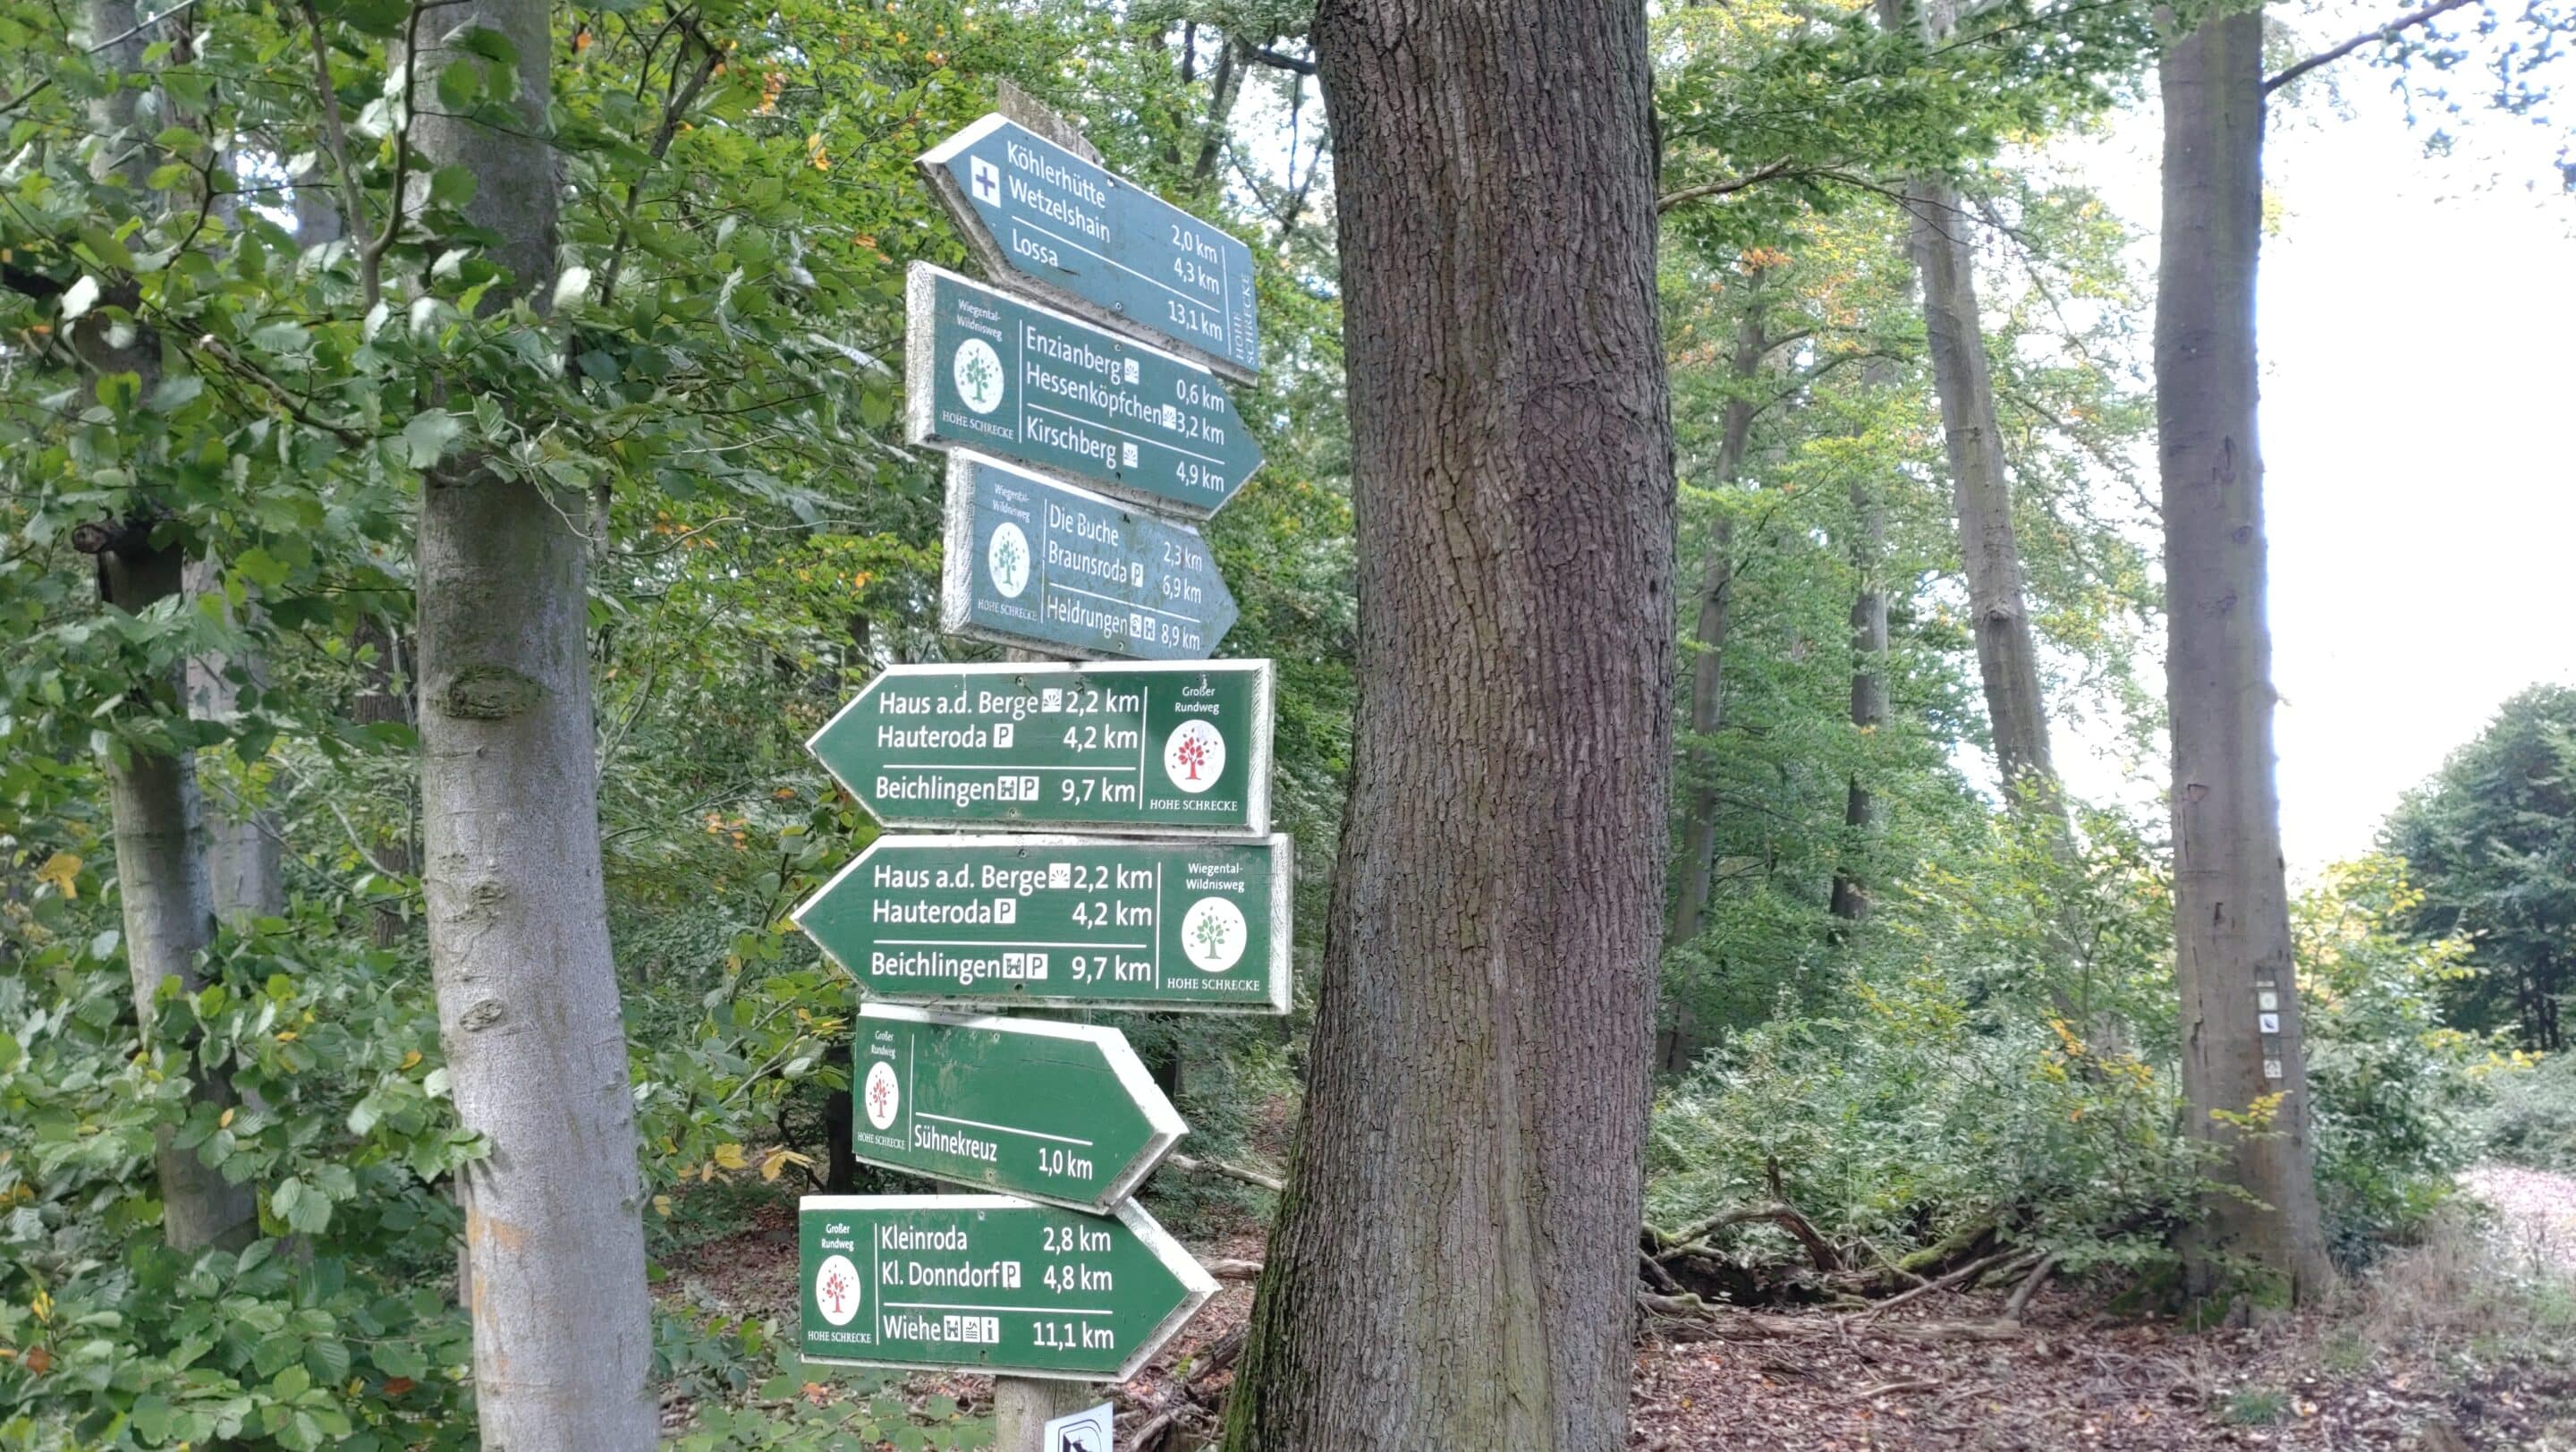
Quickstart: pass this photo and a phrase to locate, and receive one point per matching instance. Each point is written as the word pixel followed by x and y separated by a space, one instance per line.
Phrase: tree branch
pixel 1775 170
pixel 1269 57
pixel 2386 32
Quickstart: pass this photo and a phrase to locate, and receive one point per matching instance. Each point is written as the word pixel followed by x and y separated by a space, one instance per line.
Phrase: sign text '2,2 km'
pixel 1145 748
pixel 997 375
pixel 990 1283
pixel 1042 565
pixel 1062 921
pixel 1097 243
pixel 1049 1111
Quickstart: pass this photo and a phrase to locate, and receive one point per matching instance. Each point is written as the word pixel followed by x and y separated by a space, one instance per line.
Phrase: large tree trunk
pixel 1680 1041
pixel 517 914
pixel 2231 907
pixel 1454 1261
pixel 158 818
pixel 1850 902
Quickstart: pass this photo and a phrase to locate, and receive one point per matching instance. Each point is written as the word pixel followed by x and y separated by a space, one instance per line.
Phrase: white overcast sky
pixel 2417 321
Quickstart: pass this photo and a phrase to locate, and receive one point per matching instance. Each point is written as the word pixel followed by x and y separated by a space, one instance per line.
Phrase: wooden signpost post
pixel 1079 402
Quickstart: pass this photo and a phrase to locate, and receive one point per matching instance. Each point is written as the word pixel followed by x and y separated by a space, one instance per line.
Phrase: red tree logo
pixel 1193 755
pixel 835 1288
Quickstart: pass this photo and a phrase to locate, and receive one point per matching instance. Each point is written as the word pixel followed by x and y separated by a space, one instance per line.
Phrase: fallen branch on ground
pixel 1189 1166
pixel 1696 1319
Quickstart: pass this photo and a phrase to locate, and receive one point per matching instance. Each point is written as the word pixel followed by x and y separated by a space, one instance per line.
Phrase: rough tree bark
pixel 2231 906
pixel 517 915
pixel 157 814
pixel 1479 1070
pixel 1679 1042
pixel 1850 901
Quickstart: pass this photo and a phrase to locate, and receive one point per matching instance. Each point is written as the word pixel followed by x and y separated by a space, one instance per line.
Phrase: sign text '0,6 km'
pixel 1047 1111
pixel 1097 243
pixel 990 373
pixel 1038 564
pixel 990 1283
pixel 1136 749
pixel 1062 921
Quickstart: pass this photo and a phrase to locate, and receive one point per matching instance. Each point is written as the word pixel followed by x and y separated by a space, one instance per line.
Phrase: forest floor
pixel 2465 1342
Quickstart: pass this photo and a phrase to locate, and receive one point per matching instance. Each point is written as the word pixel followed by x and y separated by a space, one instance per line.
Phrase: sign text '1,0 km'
pixel 1049 1111
pixel 1097 243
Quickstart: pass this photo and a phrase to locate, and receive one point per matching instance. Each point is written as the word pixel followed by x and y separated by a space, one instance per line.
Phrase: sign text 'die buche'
pixel 1000 376
pixel 1126 748
pixel 1040 564
pixel 1046 1111
pixel 1093 241
pixel 1199 925
pixel 990 1283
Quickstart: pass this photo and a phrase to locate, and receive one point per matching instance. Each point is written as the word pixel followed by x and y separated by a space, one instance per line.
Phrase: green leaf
pixel 460 84
pixel 429 433
pixel 451 186
pixel 291 1383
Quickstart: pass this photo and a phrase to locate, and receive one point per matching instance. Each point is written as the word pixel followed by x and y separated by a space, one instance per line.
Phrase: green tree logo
pixel 1006 559
pixel 1214 934
pixel 978 371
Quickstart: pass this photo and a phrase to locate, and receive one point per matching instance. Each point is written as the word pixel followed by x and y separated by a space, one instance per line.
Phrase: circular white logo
pixel 1194 756
pixel 1213 934
pixel 978 371
pixel 836 1290
pixel 880 1096
pixel 1006 559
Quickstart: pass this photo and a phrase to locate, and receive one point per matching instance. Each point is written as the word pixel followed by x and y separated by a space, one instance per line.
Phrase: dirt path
pixel 2535 1212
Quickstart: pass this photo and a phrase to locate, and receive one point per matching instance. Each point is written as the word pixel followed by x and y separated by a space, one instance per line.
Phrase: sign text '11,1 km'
pixel 990 1283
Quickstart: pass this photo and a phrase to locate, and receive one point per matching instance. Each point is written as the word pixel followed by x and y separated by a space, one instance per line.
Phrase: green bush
pixel 2531 1116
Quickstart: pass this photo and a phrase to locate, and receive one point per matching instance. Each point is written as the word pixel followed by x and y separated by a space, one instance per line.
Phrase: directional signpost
pixel 1184 905
pixel 1047 1111
pixel 1032 562
pixel 1083 237
pixel 1117 748
pixel 1062 921
pixel 1028 384
pixel 990 1283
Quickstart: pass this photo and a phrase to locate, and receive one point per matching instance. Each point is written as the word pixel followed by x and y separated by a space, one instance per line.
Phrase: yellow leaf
pixel 63 871
pixel 730 1156
pixel 286 1036
pixel 662 1206
pixel 225 1121
pixel 411 1059
pixel 779 1159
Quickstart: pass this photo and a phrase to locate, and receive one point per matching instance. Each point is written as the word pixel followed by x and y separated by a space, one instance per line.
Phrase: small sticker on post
pixel 2271 1068
pixel 2269 1023
pixel 2267 1001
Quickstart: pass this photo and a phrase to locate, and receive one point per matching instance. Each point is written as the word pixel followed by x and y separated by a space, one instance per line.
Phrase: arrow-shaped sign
pixel 990 1283
pixel 1098 243
pixel 1062 921
pixel 1118 748
pixel 988 372
pixel 1042 565
pixel 1049 1111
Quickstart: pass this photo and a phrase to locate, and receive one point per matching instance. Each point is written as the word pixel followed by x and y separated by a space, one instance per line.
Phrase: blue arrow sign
pixel 1046 566
pixel 1093 241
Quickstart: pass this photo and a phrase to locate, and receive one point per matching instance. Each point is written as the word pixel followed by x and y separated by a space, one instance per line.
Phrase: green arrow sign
pixel 1034 563
pixel 1098 243
pixel 1119 748
pixel 989 1283
pixel 1047 1111
pixel 1065 921
pixel 987 372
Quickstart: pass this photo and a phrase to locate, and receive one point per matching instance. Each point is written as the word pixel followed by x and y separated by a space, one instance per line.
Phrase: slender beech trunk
pixel 157 815
pixel 245 868
pixel 1454 1263
pixel 2231 906
pixel 517 915
pixel 1850 901
pixel 1679 1042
